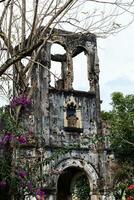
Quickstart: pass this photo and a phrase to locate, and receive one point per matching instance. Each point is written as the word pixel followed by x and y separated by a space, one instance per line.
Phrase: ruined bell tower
pixel 67 120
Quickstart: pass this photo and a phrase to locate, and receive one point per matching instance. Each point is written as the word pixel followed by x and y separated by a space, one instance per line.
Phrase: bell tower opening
pixel 80 80
pixel 56 66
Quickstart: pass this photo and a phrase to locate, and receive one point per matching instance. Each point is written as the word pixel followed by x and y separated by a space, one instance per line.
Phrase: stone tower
pixel 67 121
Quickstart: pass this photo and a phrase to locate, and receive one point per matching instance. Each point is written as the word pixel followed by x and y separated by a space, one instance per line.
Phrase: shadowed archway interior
pixel 73 184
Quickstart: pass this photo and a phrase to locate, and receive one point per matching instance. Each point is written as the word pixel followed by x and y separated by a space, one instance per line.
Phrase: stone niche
pixel 72 115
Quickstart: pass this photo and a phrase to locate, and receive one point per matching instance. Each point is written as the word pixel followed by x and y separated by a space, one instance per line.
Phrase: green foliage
pixel 121 121
pixel 8 123
pixel 81 188
pixel 124 174
pixel 130 192
pixel 9 132
pixel 106 116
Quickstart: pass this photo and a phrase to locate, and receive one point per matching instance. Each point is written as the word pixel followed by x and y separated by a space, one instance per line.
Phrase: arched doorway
pixel 73 184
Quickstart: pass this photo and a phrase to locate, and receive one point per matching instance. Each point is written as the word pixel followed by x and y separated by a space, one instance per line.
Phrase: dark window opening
pixel 71 110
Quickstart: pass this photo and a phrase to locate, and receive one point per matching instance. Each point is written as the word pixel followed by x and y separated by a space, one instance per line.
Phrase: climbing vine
pixel 17 174
pixel 21 176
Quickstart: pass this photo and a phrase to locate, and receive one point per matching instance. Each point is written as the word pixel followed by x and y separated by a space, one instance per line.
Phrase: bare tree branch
pixel 28 28
pixel 4 11
pixel 23 34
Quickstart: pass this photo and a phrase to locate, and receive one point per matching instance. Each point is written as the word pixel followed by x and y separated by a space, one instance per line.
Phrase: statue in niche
pixel 72 114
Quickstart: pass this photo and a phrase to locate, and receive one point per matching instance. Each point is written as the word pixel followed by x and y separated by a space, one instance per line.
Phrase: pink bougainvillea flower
pixel 7 137
pixel 22 173
pixel 39 194
pixel 29 186
pixel 3 184
pixel 22 139
pixel 20 100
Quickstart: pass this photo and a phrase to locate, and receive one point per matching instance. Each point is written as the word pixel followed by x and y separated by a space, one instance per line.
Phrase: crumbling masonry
pixel 68 120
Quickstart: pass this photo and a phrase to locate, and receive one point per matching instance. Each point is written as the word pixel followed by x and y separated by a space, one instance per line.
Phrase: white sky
pixel 116 55
pixel 116 65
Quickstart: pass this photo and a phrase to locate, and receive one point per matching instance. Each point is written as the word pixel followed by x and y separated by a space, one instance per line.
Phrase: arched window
pixel 56 71
pixel 80 81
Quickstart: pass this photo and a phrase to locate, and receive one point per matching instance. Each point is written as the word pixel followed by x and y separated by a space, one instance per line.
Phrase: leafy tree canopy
pixel 121 121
